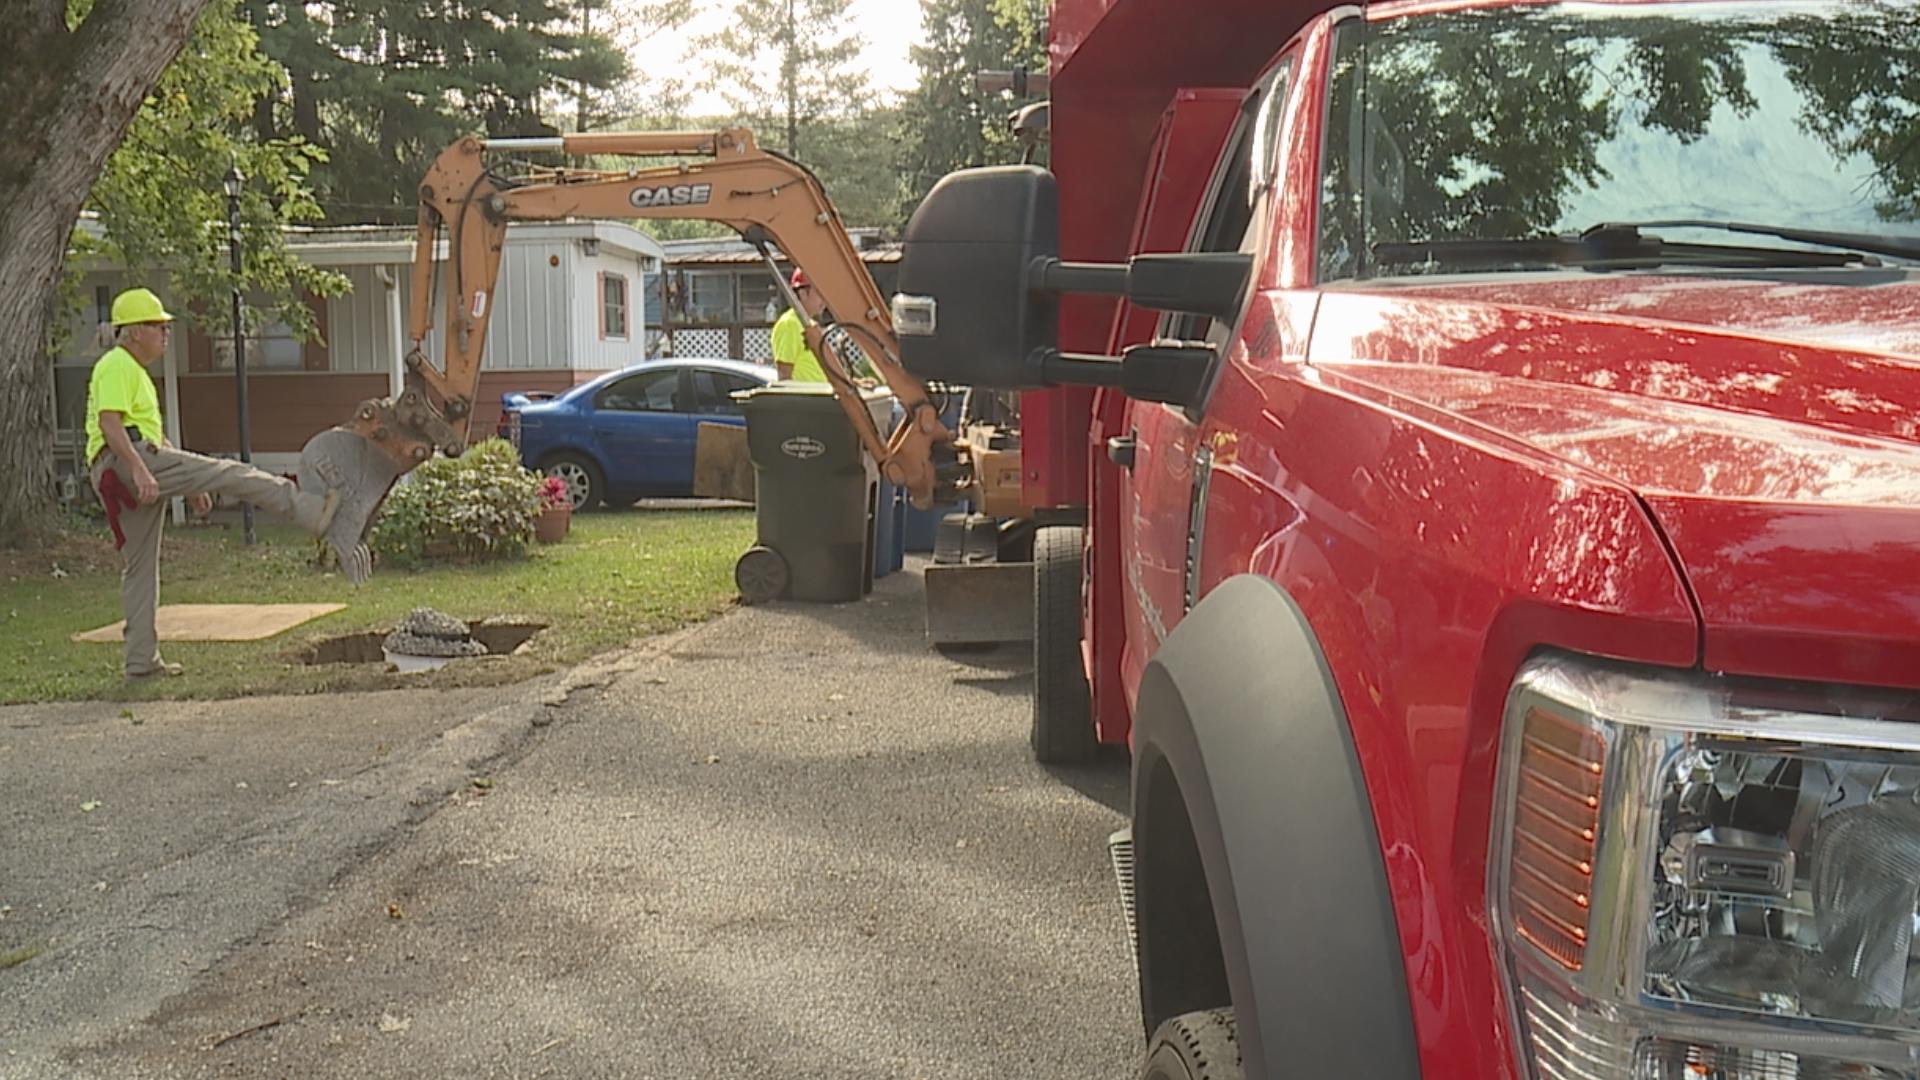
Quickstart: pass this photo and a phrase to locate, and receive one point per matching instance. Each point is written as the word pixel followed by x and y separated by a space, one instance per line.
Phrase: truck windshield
pixel 1539 121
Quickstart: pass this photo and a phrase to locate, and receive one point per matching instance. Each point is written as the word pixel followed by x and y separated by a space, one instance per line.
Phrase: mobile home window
pixel 710 296
pixel 271 345
pixel 613 306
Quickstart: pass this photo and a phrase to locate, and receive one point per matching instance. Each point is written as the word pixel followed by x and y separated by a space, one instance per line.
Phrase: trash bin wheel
pixel 1195 1046
pixel 1062 704
pixel 761 575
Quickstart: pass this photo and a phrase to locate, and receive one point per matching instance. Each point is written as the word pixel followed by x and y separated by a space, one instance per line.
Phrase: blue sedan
pixel 629 434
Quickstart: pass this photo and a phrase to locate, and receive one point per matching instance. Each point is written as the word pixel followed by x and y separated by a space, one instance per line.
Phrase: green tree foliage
pixel 1027 19
pixel 383 86
pixel 948 123
pixel 161 207
pixel 787 67
pixel 790 70
pixel 635 29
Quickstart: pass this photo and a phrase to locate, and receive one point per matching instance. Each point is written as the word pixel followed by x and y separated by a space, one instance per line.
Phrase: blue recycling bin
pixel 889 530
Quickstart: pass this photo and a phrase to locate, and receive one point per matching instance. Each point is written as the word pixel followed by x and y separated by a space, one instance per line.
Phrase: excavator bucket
pixel 339 460
pixel 979 603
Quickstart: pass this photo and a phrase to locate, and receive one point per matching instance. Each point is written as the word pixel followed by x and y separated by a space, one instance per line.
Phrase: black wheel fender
pixel 1240 737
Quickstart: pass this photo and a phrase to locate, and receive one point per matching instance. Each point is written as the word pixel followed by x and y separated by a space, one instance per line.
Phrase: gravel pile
pixel 426 632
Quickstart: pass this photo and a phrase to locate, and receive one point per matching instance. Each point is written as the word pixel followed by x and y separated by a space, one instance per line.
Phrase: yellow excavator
pixel 724 176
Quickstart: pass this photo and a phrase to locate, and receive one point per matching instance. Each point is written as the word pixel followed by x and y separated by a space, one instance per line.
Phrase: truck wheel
pixel 1062 705
pixel 585 486
pixel 1195 1046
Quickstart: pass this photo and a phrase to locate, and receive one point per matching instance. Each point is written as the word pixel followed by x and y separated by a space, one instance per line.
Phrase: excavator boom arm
pixel 765 197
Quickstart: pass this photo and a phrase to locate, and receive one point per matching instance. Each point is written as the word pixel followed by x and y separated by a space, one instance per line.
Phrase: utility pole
pixel 234 180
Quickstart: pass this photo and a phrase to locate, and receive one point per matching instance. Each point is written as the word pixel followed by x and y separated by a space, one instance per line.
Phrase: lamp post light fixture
pixel 233 182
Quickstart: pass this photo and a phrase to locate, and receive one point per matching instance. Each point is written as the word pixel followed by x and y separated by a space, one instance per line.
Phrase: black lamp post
pixel 233 181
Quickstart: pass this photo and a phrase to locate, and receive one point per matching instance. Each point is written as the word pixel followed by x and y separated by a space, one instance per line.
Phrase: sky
pixel 889 26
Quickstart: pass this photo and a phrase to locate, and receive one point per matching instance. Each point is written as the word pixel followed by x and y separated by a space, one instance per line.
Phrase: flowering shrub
pixel 481 505
pixel 553 494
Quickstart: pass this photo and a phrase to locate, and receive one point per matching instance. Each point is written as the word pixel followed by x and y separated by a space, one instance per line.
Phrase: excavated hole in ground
pixel 501 639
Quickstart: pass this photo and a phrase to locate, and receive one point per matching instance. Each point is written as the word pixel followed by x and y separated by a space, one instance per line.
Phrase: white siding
pixel 592 352
pixel 529 328
pixel 357 335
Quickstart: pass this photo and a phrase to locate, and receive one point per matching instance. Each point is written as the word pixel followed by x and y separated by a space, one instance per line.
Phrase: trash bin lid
pixel 789 390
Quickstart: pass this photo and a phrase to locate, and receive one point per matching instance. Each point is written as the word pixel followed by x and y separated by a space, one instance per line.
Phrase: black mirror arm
pixel 1213 284
pixel 1081 369
pixel 1173 372
pixel 1050 275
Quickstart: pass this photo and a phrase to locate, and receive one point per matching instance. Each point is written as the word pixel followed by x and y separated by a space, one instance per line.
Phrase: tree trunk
pixel 790 83
pixel 70 96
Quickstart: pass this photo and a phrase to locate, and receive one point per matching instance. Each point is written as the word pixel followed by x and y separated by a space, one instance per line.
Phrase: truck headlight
pixel 1708 877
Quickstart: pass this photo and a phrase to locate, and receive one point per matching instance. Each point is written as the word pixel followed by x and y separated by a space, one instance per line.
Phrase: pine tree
pixel 384 85
pixel 788 67
pixel 791 71
pixel 634 28
pixel 954 125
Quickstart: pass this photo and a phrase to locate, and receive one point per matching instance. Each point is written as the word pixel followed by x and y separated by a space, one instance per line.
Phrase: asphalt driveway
pixel 794 842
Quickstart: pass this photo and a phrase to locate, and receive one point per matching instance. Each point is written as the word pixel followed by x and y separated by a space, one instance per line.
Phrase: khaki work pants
pixel 181 473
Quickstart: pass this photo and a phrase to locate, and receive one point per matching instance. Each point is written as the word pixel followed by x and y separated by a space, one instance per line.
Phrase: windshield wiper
pixel 1899 247
pixel 1609 247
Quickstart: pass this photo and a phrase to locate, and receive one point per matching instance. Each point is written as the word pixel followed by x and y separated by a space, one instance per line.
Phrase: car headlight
pixel 1708 877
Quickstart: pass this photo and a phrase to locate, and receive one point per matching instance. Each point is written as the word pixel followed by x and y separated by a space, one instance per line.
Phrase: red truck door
pixel 1195 128
pixel 1162 497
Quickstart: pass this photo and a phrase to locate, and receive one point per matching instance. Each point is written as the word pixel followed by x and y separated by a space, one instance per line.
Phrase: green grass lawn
pixel 617 577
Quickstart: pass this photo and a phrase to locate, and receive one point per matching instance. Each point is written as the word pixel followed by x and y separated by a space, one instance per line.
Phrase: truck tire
pixel 585 484
pixel 1062 704
pixel 1195 1046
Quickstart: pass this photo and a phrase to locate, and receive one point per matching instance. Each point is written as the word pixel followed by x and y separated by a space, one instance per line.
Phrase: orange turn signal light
pixel 1556 826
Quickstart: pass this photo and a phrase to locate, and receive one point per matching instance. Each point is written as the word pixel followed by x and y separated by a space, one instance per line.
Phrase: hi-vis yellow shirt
pixel 119 384
pixel 790 347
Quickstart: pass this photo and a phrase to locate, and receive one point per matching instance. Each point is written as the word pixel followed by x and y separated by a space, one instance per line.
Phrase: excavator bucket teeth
pixel 339 460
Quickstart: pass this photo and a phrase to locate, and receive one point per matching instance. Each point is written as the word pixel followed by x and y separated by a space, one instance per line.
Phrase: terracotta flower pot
pixel 552 525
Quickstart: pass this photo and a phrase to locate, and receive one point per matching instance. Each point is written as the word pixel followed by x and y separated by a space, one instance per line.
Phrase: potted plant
pixel 556 511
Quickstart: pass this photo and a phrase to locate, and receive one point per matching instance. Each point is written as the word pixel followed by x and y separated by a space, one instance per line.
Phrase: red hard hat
pixel 799 279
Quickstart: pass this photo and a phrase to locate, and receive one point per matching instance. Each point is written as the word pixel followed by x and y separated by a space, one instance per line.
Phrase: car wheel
pixel 585 486
pixel 1195 1046
pixel 1062 704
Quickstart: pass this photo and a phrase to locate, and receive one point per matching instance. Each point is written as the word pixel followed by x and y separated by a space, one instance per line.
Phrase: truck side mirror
pixel 980 286
pixel 966 312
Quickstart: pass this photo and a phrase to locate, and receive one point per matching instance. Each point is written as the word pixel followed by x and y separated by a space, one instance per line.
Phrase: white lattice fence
pixel 708 343
pixel 757 343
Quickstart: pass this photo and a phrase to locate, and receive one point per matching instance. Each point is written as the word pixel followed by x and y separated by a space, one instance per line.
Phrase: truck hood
pixel 1772 428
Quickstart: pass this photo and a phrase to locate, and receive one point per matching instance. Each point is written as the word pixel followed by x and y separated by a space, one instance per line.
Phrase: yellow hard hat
pixel 138 306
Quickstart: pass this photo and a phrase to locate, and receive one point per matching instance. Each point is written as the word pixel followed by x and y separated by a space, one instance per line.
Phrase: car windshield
pixel 1530 121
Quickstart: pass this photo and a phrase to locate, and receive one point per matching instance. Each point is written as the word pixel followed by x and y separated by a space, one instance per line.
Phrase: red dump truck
pixel 1489 437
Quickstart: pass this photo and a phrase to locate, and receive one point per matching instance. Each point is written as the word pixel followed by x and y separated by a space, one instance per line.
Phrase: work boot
pixel 162 670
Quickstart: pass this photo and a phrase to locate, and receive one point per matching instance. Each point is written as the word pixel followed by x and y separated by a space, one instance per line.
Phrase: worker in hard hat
pixel 135 470
pixel 791 357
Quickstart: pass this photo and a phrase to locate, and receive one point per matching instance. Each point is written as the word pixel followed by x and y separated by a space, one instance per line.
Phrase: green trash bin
pixel 816 494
